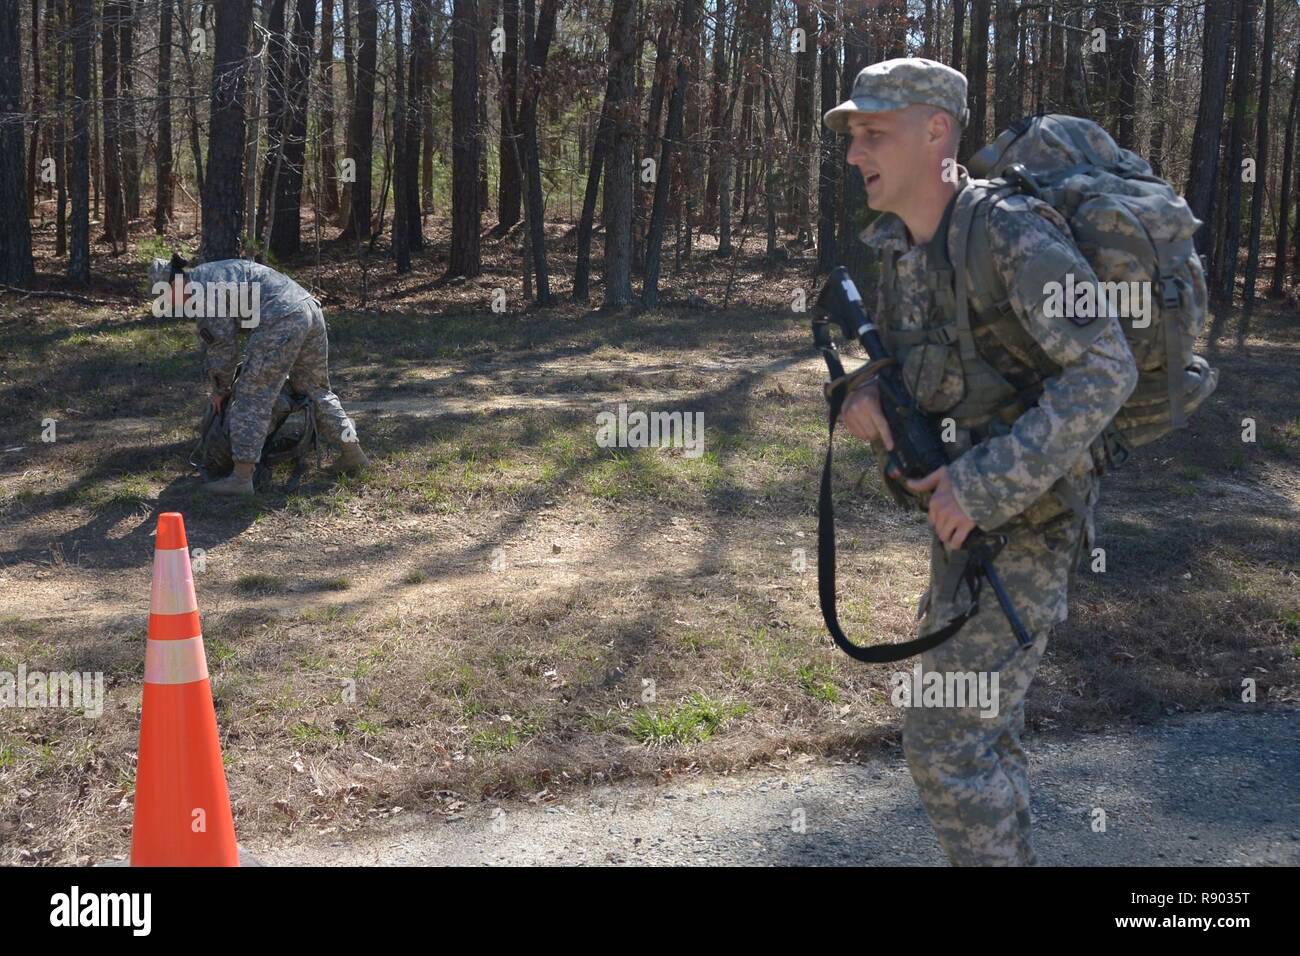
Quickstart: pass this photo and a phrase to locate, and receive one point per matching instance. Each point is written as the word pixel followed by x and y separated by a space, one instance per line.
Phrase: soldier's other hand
pixel 950 522
pixel 863 417
pixel 218 400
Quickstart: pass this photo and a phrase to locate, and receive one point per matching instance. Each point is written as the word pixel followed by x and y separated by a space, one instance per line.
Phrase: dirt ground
pixel 501 612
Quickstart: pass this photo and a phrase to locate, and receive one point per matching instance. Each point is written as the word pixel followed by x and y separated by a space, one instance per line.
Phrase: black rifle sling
pixel 878 653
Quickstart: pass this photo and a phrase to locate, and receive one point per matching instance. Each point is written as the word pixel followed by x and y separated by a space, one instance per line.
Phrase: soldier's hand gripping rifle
pixel 917 452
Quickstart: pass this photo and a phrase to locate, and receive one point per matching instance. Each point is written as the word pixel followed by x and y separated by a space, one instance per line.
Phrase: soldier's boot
pixel 351 459
pixel 238 482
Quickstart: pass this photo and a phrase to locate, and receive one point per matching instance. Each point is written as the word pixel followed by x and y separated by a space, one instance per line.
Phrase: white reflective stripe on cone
pixel 173 583
pixel 175 662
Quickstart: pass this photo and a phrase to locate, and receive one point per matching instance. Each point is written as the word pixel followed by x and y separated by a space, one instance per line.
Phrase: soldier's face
pixel 885 148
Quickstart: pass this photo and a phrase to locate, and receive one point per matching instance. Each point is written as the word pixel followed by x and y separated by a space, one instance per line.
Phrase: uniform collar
pixel 887 231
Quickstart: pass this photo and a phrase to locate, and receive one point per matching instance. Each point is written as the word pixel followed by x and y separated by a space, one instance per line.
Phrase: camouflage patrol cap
pixel 895 84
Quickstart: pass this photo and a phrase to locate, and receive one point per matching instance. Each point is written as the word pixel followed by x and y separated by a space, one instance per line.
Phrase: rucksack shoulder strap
pixel 971 252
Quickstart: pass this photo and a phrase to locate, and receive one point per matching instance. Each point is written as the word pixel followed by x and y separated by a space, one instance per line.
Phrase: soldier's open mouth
pixel 872 178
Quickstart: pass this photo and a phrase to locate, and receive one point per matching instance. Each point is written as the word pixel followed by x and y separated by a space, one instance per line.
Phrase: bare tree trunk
pixel 805 80
pixel 740 46
pixel 1261 159
pixel 538 50
pixel 62 163
pixel 286 218
pixel 36 100
pixel 1075 79
pixel 1284 220
pixel 349 54
pixel 488 18
pixel 276 77
pixel 114 199
pixel 1202 184
pixel 349 70
pixel 716 137
pixel 828 178
pixel 261 54
pixel 426 171
pixel 96 166
pixel 465 209
pixel 600 146
pixel 1243 90
pixel 417 95
pixel 83 26
pixel 129 138
pixel 663 182
pixel 223 194
pixel 162 209
pixel 377 222
pixel 361 133
pixel 748 107
pixel 1125 134
pixel 192 89
pixel 654 119
pixel 616 213
pixel 1103 64
pixel 769 138
pixel 1159 91
pixel 1006 78
pixel 328 154
pixel 15 228
pixel 958 32
pixel 1055 88
pixel 854 215
pixel 509 188
pixel 977 71
pixel 401 230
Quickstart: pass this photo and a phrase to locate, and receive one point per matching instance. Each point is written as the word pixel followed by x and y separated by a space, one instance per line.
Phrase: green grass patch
pixel 304 732
pixel 692 720
pixel 491 740
pixel 816 683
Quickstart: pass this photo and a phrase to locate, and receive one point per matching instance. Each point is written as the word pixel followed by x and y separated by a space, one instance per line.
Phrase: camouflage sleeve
pixel 219 335
pixel 221 350
pixel 1001 477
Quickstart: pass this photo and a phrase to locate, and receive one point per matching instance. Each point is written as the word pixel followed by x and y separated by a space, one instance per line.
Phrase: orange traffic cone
pixel 182 807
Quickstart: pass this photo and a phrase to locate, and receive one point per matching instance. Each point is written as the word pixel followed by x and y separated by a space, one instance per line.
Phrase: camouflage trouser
pixel 968 765
pixel 296 347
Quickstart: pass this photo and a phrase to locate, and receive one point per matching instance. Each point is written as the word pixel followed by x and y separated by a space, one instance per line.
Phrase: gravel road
pixel 1212 789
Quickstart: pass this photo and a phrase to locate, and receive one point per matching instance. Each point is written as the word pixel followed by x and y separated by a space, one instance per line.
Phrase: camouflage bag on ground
pixel 290 437
pixel 1136 233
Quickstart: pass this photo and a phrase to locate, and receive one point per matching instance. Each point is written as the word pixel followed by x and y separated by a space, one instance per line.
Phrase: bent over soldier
pixel 287 339
pixel 1027 394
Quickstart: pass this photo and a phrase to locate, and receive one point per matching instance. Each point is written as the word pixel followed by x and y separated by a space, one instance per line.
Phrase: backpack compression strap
pixel 836 393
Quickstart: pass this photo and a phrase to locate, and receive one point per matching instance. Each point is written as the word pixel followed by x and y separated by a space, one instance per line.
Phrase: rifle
pixel 918 451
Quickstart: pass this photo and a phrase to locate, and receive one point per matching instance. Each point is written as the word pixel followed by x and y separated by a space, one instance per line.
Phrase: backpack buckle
pixel 1021 177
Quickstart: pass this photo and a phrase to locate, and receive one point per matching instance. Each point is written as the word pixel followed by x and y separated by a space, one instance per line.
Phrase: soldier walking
pixel 1022 468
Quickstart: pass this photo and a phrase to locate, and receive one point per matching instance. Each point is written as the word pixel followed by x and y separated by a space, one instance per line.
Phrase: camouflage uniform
pixel 1031 478
pixel 288 340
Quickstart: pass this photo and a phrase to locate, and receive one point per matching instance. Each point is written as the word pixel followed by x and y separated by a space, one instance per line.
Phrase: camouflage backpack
pixel 1132 227
pixel 291 435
